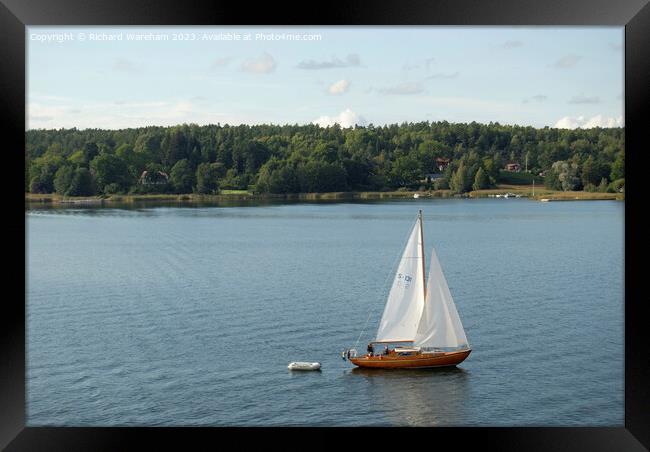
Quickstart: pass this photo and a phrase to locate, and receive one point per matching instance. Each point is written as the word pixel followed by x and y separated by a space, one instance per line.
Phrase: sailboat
pixel 420 326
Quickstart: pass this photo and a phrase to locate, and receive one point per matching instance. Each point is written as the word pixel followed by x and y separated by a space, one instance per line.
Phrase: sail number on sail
pixel 403 281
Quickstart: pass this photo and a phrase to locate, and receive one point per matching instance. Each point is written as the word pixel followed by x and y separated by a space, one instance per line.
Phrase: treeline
pixel 309 158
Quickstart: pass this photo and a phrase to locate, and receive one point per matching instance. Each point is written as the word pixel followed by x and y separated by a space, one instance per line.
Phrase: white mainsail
pixel 403 309
pixel 440 325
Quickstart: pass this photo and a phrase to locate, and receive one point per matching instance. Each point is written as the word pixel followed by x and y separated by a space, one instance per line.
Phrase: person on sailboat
pixel 370 349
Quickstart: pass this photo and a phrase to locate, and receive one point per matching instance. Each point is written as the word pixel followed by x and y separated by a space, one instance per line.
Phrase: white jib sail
pixel 440 324
pixel 406 298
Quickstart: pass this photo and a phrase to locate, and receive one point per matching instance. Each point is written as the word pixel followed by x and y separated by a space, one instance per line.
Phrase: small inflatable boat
pixel 303 366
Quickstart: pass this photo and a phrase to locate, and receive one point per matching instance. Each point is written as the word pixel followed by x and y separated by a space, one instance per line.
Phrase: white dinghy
pixel 298 365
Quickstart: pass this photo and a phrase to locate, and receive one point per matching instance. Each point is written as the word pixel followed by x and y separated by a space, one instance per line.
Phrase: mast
pixel 424 275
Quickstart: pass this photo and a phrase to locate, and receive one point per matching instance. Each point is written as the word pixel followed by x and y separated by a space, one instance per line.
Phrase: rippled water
pixel 189 316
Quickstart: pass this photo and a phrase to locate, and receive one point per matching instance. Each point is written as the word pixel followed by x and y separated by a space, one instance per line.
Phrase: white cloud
pixel 580 122
pixel 265 64
pixel 347 118
pixel 569 123
pixel 601 121
pixel 339 87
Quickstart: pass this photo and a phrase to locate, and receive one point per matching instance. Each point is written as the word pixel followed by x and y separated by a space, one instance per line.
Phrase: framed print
pixel 238 216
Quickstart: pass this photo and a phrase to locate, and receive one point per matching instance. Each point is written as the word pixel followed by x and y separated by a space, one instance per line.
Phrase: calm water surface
pixel 189 316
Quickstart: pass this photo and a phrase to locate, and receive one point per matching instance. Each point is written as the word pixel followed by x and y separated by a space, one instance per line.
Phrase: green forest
pixel 308 158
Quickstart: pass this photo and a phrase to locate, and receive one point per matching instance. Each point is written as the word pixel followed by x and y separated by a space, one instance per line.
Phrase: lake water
pixel 190 315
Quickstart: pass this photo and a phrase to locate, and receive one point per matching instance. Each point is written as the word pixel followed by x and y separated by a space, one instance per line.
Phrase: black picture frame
pixel 15 15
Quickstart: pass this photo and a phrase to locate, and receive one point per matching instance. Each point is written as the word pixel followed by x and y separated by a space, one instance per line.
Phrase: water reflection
pixel 418 397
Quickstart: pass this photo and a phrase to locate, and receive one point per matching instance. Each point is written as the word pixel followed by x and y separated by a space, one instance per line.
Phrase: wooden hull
pixel 416 361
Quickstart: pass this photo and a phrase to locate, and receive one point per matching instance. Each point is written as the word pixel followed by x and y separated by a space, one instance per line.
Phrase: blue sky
pixel 539 76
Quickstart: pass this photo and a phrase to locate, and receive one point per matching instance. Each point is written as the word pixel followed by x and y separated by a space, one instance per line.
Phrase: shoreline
pixel 517 190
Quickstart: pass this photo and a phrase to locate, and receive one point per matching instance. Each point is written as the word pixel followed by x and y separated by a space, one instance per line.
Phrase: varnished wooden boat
pixel 413 361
